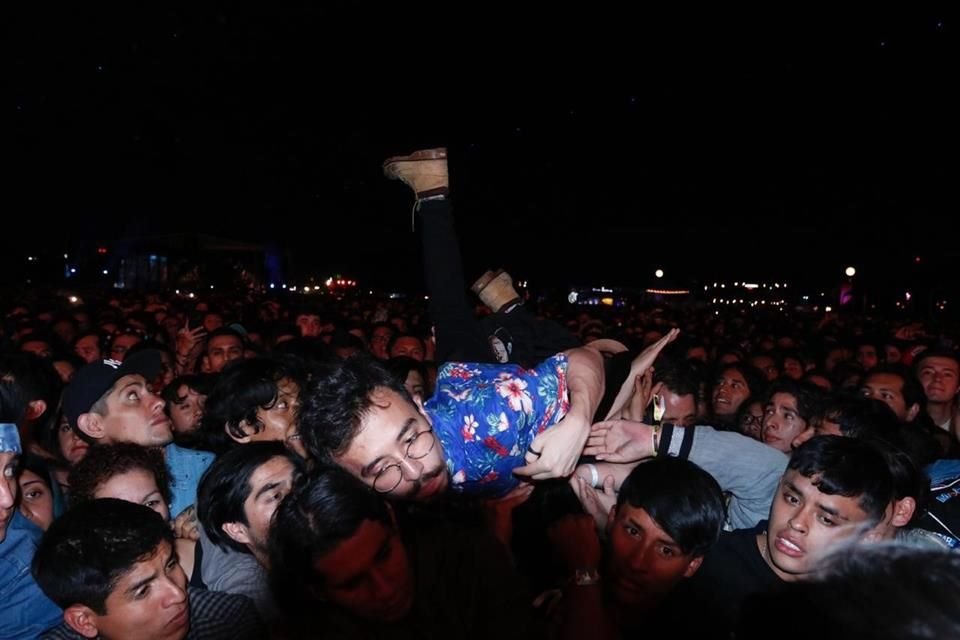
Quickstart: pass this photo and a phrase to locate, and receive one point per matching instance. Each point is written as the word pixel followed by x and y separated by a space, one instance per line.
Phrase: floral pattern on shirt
pixel 486 415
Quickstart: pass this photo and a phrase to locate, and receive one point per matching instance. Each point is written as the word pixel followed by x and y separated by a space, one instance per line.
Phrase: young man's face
pixel 408 346
pixel 379 340
pixel 867 356
pixel 121 344
pixel 805 523
pixel 186 413
pixel 767 365
pixel 939 377
pixel 269 485
pixel 221 350
pixel 309 325
pixel 280 419
pixel 8 490
pixel 644 562
pixel 134 414
pixel 680 410
pixel 150 601
pixel 385 434
pixel 781 422
pixel 368 574
pixel 729 392
pixel 88 348
pixel 887 387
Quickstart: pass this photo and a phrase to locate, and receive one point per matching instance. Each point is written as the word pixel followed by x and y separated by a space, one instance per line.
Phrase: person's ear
pixel 903 511
pixel 237 532
pixel 419 403
pixel 248 433
pixel 81 619
pixel 92 425
pixel 693 566
pixel 35 409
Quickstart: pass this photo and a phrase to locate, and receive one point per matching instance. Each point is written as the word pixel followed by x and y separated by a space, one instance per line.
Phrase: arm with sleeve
pixel 746 469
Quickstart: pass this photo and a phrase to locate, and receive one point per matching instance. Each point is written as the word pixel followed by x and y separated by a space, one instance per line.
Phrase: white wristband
pixel 594 476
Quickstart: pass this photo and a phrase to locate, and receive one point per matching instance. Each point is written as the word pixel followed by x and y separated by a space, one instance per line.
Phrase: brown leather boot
pixel 495 289
pixel 423 171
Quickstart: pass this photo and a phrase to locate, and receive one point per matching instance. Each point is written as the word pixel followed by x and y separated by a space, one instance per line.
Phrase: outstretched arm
pixel 556 450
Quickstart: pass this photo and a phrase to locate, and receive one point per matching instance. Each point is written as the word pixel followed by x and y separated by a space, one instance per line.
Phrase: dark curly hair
pixel 244 388
pixel 102 462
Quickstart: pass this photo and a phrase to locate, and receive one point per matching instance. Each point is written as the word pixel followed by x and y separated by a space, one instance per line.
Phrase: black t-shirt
pixel 731 572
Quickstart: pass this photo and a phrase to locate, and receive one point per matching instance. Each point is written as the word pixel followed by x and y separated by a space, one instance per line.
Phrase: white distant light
pixel 907 296
pixel 211 286
pixel 105 272
pixel 74 299
pixel 73 269
pixel 190 295
pixel 272 285
pixel 828 309
pixel 658 273
pixel 850 271
pixel 65 256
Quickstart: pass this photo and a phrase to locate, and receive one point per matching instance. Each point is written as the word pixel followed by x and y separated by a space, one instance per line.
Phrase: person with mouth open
pixel 835 490
pixel 486 426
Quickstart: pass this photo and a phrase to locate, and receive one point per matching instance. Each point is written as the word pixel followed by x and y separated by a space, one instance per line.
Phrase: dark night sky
pixel 605 140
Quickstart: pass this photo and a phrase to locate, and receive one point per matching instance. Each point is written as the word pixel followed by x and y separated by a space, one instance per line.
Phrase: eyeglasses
pixel 391 475
pixel 750 420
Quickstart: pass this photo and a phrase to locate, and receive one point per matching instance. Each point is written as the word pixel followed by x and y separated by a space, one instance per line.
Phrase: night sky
pixel 589 143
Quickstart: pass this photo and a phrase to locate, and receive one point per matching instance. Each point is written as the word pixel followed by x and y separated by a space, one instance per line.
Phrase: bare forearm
pixel 585 381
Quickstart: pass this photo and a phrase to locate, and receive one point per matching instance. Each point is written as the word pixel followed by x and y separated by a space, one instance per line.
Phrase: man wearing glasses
pixel 485 425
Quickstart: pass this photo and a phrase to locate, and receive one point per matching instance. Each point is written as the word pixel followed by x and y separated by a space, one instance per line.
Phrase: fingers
pixel 532 455
pixel 531 470
pixel 536 471
pixel 609 486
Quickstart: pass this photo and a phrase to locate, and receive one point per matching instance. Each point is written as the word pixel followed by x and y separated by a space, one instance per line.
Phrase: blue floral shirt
pixel 486 415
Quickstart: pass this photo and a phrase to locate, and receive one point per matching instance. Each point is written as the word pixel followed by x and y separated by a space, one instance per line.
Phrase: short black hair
pixel 682 498
pixel 200 383
pixel 337 401
pixel 809 397
pixel 325 508
pixel 935 352
pixel 86 551
pixel 912 390
pixel 848 467
pixel 243 388
pixel 225 487
pixel 879 591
